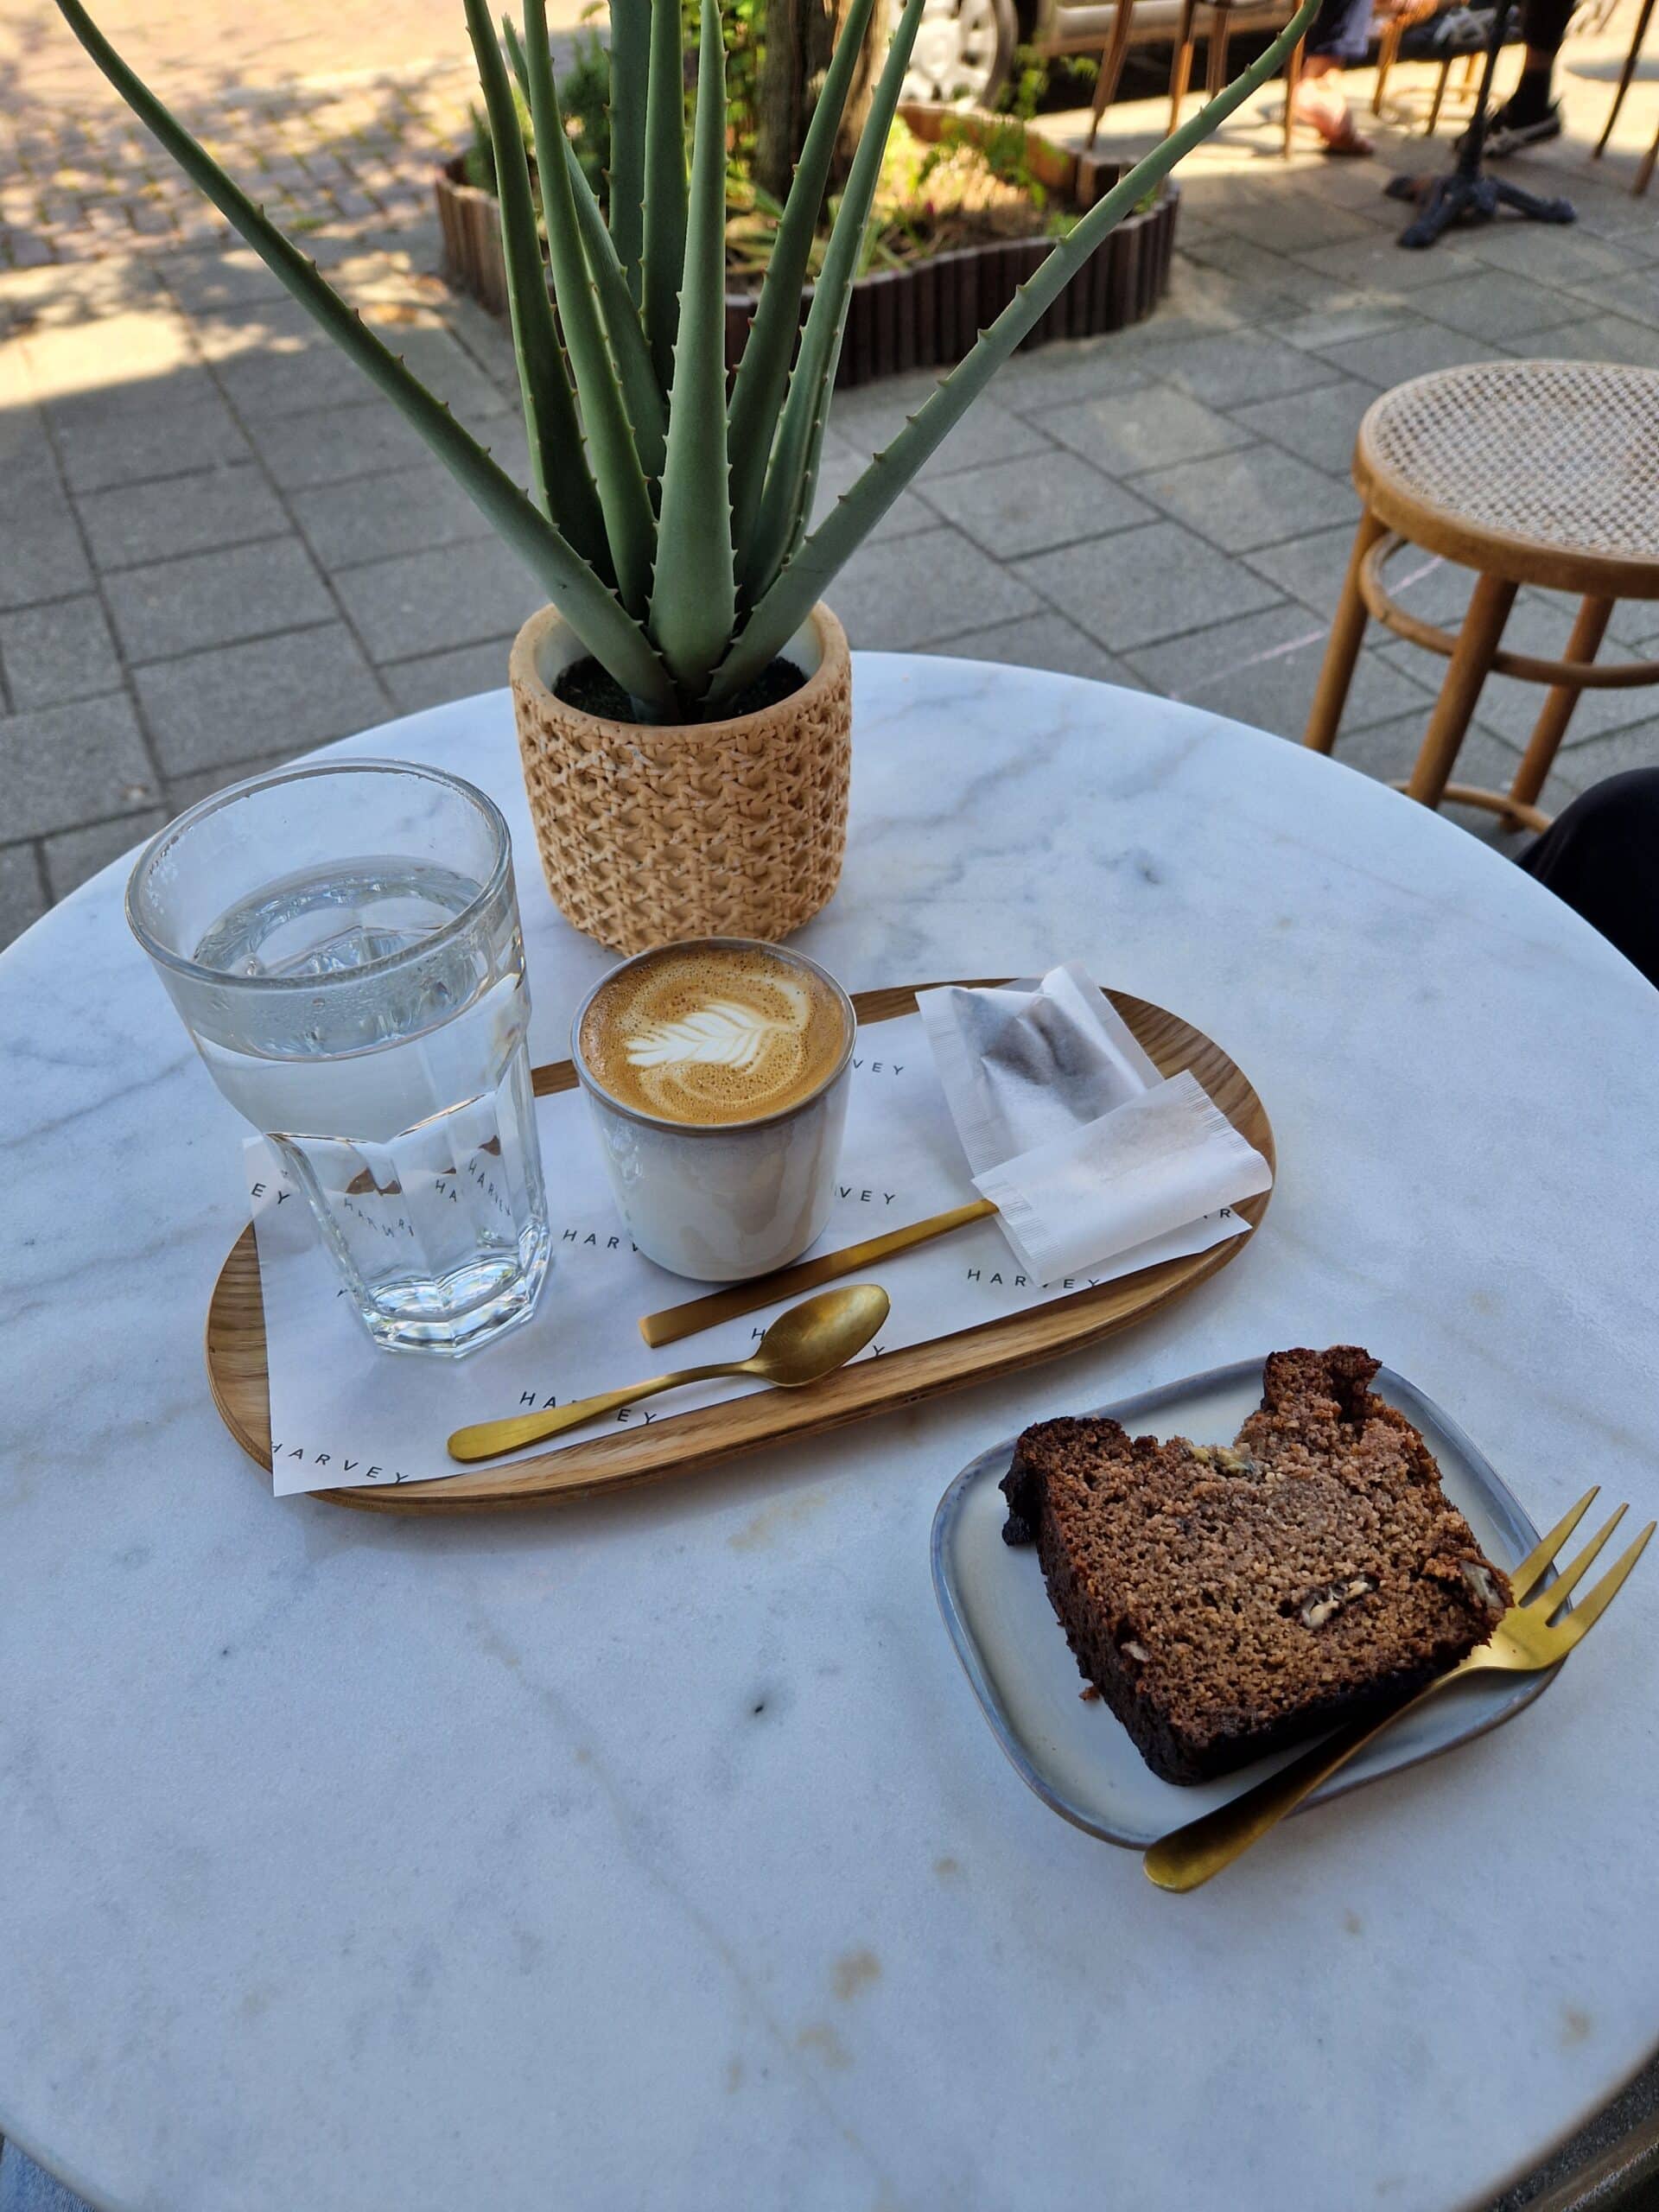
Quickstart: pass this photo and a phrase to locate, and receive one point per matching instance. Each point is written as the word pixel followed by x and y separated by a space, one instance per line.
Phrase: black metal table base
pixel 1467 194
pixel 1447 201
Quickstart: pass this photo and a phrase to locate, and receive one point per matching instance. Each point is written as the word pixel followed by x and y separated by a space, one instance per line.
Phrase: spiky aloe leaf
pixel 792 477
pixel 665 211
pixel 559 467
pixel 764 370
pixel 629 524
pixel 630 76
pixel 647 408
pixel 618 307
pixel 608 632
pixel 559 470
pixel 790 600
pixel 693 599
pixel 516 60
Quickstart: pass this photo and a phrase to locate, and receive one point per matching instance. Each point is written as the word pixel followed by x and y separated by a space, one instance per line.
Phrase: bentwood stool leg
pixel 1433 123
pixel 1221 28
pixel 1477 647
pixel 1388 52
pixel 1625 77
pixel 1111 66
pixel 1293 77
pixel 1180 68
pixel 1342 651
pixel 1556 711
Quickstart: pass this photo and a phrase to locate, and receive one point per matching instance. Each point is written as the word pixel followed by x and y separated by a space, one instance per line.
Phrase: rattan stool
pixel 1542 472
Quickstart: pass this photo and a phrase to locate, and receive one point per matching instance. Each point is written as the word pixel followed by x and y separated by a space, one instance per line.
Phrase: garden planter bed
pixel 923 316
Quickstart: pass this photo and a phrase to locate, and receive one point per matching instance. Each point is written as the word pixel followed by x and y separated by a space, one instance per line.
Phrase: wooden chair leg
pixel 1111 66
pixel 1342 650
pixel 1180 68
pixel 1625 77
pixel 1215 57
pixel 1557 709
pixel 1388 52
pixel 1293 77
pixel 1433 123
pixel 1470 663
pixel 1644 175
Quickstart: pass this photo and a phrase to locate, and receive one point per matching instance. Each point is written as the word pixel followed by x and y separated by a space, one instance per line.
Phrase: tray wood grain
pixel 684 1443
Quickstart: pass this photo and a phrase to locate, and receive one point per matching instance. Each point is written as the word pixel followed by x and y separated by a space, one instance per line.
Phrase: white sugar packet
pixel 1142 1171
pixel 1087 1153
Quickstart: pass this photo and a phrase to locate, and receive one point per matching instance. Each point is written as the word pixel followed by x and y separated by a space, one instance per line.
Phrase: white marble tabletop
pixel 653 1852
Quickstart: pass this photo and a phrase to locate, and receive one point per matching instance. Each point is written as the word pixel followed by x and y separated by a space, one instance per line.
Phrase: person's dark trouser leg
pixel 1601 855
pixel 1342 31
pixel 1543 24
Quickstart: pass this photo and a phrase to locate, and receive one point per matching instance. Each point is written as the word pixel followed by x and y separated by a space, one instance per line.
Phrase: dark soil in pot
pixel 590 689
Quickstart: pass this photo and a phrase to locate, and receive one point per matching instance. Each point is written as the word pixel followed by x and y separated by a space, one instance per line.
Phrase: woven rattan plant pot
pixel 653 832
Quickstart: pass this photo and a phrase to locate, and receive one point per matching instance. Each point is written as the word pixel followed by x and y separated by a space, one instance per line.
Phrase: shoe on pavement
pixel 1504 136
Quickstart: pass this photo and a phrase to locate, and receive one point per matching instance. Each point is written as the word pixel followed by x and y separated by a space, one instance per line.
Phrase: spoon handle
pixel 715 1306
pixel 486 1439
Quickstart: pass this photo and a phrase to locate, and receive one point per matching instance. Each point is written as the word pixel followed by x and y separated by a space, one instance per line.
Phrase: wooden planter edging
pixel 472 237
pixel 926 314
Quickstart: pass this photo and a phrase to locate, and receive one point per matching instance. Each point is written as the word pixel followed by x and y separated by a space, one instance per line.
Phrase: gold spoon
pixel 804 1345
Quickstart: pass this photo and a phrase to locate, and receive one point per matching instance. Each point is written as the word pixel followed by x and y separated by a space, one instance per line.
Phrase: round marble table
pixel 653 1852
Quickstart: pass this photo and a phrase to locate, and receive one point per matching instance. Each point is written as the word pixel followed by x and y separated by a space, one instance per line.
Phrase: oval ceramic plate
pixel 1072 1752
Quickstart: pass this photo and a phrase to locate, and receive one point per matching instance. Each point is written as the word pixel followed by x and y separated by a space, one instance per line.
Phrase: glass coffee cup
pixel 716 1072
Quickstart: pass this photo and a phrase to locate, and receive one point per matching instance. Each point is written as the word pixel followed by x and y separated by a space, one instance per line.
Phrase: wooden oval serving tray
pixel 683 1443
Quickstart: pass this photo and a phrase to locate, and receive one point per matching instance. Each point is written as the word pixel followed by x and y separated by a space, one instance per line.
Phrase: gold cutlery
pixel 1524 1641
pixel 676 1321
pixel 801 1347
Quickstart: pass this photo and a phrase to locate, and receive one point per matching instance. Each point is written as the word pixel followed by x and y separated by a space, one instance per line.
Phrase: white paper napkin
pixel 1086 1153
pixel 1029 1061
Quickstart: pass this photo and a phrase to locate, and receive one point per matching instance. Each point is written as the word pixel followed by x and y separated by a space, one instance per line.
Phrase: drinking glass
pixel 342 942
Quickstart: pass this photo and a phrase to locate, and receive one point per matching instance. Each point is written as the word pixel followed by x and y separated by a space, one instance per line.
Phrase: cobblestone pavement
pixel 329 114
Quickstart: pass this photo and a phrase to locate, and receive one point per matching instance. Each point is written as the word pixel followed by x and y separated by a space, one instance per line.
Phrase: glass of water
pixel 342 942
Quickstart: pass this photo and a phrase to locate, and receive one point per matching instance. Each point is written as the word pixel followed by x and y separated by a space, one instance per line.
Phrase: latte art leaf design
pixel 724 1035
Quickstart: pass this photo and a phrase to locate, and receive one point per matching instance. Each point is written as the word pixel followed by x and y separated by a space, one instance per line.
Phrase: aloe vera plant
pixel 669 522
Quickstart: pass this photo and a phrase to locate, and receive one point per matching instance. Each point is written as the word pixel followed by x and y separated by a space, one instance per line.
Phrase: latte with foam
pixel 711 1035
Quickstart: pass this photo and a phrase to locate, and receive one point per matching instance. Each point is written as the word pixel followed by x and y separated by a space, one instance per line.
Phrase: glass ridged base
pixel 456 1317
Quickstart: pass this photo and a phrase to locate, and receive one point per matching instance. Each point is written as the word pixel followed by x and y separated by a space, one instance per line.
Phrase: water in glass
pixel 369 1011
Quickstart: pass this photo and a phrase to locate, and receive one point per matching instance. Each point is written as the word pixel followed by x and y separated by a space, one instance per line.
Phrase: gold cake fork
pixel 1526 1641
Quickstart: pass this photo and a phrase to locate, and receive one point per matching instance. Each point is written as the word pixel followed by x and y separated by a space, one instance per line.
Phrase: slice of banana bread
pixel 1226 1600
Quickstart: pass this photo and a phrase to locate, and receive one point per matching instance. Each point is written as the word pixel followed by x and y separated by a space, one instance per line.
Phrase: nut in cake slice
pixel 1227 1600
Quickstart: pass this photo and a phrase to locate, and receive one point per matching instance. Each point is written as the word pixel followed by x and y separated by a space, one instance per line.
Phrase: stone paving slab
pixel 229 503
pixel 62 766
pixel 1154 426
pixel 303 688
pixel 1144 585
pixel 57 651
pixel 168 608
pixel 1034 503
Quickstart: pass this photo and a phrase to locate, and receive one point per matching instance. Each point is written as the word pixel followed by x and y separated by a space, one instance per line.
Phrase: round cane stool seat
pixel 1542 472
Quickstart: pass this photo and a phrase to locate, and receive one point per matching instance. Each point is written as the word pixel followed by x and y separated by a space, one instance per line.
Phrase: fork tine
pixel 1590 1608
pixel 1546 1601
pixel 1525 1579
